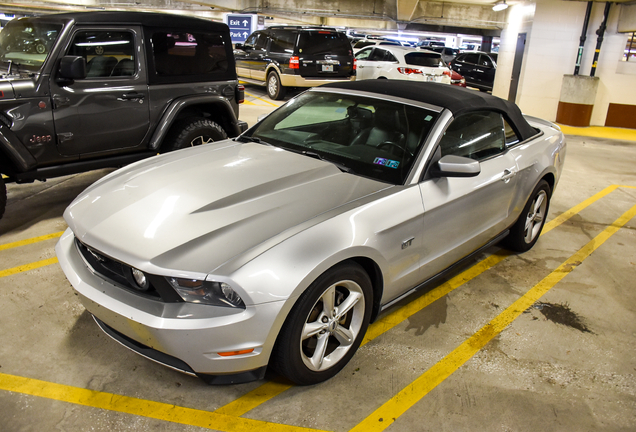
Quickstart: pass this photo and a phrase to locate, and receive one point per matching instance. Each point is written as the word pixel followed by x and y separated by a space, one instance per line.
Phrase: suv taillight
pixel 294 62
pixel 240 93
pixel 409 71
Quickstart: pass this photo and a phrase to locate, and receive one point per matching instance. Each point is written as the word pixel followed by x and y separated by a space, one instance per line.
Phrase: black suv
pixel 477 67
pixel 91 90
pixel 282 57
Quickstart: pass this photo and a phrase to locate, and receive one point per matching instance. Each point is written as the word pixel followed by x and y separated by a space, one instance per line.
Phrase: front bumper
pixel 193 334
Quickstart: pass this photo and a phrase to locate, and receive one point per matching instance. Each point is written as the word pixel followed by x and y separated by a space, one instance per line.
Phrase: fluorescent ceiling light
pixel 499 6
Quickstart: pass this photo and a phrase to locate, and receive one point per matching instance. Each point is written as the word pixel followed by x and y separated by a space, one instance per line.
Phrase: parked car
pixel 283 56
pixel 82 91
pixel 373 42
pixel 457 79
pixel 448 54
pixel 478 68
pixel 280 246
pixel 397 62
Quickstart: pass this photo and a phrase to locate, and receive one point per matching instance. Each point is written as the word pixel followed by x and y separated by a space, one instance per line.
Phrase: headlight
pixel 205 292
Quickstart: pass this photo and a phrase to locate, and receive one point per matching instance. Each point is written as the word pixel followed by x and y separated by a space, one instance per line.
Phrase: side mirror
pixel 72 68
pixel 456 166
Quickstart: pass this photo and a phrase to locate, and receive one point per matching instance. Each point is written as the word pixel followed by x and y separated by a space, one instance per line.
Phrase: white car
pixel 373 42
pixel 397 62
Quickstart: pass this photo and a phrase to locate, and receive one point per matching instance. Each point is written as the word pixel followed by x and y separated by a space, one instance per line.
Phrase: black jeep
pixel 83 91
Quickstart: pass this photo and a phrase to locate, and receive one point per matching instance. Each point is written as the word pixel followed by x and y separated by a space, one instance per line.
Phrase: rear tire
pixel 193 132
pixel 3 196
pixel 325 327
pixel 525 232
pixel 275 89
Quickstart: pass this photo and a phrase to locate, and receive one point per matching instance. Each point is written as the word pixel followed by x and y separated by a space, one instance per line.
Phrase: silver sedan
pixel 278 248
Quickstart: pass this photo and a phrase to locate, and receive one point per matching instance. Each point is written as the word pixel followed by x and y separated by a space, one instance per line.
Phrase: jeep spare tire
pixel 194 132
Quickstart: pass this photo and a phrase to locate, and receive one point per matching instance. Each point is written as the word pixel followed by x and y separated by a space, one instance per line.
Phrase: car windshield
pixel 27 43
pixel 324 42
pixel 370 137
pixel 424 59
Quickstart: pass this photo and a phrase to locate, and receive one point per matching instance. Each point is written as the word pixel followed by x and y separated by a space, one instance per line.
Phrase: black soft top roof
pixel 456 99
pixel 148 19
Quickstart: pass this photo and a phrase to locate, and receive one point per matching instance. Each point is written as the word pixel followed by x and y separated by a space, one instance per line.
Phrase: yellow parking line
pixel 600 132
pixel 31 240
pixel 261 99
pixel 139 407
pixel 27 267
pixel 384 416
pixel 253 399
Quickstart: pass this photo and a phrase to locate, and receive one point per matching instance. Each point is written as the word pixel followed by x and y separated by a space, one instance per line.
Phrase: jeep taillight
pixel 294 62
pixel 240 93
pixel 355 64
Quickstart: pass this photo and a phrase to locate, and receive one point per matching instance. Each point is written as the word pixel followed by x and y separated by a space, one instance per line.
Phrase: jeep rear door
pixel 108 110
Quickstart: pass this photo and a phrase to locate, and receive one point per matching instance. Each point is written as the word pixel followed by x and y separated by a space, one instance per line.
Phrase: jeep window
pixel 27 43
pixel 178 53
pixel 107 53
pixel 323 42
pixel 282 42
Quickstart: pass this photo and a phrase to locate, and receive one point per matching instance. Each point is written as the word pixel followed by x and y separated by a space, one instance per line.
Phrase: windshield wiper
pixel 322 158
pixel 245 138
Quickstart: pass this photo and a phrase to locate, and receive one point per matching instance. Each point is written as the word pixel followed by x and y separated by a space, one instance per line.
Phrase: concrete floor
pixel 566 364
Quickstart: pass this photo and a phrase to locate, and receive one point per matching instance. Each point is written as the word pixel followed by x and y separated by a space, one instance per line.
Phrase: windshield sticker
pixel 386 162
pixel 428 118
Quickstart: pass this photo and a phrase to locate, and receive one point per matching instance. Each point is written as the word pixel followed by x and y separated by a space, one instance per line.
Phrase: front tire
pixel 3 196
pixel 194 132
pixel 275 89
pixel 525 232
pixel 325 327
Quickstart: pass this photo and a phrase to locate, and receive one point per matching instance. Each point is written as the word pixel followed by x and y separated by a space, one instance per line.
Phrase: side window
pixel 389 57
pixel 282 42
pixel 261 42
pixel 485 61
pixel 364 54
pixel 471 58
pixel 511 136
pixel 107 53
pixel 378 55
pixel 477 135
pixel 251 40
pixel 178 53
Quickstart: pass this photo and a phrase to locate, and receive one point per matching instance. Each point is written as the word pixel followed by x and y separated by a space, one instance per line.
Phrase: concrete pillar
pixel 576 103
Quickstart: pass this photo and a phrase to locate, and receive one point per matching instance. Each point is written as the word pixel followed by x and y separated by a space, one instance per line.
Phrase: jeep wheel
pixel 274 88
pixel 3 196
pixel 194 132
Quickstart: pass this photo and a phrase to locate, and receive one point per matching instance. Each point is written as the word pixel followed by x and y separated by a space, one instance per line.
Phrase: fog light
pixel 141 279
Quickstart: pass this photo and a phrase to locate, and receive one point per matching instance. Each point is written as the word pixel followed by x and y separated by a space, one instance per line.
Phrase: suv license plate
pixel 327 68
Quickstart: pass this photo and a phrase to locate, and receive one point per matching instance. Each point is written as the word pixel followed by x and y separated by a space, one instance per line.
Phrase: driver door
pixel 108 110
pixel 464 213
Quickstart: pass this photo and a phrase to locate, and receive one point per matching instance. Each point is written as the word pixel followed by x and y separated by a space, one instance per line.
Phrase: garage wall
pixel 551 50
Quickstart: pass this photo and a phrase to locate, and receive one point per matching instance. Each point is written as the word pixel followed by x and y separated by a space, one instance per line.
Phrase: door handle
pixel 131 96
pixel 507 175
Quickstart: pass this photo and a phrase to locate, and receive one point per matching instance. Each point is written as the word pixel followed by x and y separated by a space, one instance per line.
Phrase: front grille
pixel 120 273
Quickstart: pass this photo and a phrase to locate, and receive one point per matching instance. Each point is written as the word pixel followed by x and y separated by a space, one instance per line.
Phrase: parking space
pixel 508 342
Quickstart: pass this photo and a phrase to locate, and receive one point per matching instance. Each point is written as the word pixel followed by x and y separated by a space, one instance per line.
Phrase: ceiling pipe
pixel 599 41
pixel 586 22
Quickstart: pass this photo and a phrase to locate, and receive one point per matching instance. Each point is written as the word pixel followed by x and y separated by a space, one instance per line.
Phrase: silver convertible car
pixel 278 248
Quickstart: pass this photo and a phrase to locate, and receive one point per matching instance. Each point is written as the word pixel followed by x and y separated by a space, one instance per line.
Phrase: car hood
pixel 195 209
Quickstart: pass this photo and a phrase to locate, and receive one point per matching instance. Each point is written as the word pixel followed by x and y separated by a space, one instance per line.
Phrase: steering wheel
pixel 401 151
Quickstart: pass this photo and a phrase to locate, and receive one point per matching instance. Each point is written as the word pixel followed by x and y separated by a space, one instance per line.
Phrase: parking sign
pixel 241 26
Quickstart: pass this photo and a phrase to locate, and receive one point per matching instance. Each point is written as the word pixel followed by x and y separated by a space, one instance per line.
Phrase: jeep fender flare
pixel 17 153
pixel 178 105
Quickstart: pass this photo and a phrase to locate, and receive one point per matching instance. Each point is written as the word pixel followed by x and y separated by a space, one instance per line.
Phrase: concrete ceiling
pixel 389 14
